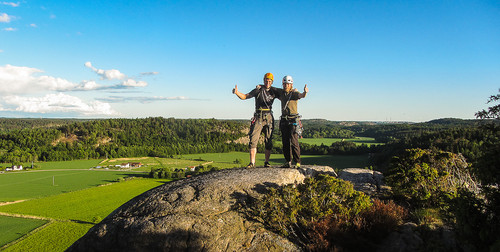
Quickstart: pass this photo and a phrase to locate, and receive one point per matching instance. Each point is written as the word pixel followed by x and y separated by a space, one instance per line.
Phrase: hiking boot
pixel 267 164
pixel 250 166
pixel 286 165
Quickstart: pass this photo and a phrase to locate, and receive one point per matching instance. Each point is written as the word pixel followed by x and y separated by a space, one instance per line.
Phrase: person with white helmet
pixel 290 125
pixel 263 120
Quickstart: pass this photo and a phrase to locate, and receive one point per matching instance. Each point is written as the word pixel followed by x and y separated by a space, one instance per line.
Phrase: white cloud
pixel 11 4
pixel 107 74
pixel 4 18
pixel 17 80
pixel 88 85
pixel 33 25
pixel 10 29
pixel 20 80
pixel 1 51
pixel 141 99
pixel 134 83
pixel 58 103
pixel 52 16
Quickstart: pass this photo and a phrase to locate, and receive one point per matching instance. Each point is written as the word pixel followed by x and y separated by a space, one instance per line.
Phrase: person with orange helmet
pixel 263 119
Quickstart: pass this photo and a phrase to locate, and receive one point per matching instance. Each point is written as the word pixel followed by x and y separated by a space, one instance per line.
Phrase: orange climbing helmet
pixel 268 76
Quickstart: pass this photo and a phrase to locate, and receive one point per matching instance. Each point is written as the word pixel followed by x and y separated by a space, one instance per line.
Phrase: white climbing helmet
pixel 287 79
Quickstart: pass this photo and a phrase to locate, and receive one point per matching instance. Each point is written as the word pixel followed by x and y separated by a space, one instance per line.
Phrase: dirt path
pixel 10 202
pixel 25 216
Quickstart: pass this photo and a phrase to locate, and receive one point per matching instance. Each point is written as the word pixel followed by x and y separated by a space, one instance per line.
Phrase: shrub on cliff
pixel 428 178
pixel 290 209
pixel 322 211
pixel 359 233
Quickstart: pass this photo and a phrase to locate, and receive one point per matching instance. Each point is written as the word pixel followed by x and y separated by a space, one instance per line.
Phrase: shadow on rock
pixel 175 240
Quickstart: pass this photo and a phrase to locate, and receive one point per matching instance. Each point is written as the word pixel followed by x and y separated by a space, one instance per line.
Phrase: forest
pixel 51 140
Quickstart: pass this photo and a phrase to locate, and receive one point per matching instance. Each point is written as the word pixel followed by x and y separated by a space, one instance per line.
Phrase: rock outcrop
pixel 367 181
pixel 196 214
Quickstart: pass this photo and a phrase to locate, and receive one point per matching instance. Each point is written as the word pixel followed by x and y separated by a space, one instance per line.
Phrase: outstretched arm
pixel 239 94
pixel 306 90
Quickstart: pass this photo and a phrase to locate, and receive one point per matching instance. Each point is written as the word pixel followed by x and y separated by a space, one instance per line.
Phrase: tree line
pixel 112 138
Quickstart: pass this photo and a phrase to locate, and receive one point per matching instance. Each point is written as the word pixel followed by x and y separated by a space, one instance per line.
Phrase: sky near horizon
pixel 361 60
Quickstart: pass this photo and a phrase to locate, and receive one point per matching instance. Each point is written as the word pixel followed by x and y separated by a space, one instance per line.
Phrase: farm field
pixel 72 214
pixel 74 164
pixel 329 141
pixel 180 162
pixel 12 228
pixel 226 160
pixel 42 183
pixel 335 161
pixel 56 236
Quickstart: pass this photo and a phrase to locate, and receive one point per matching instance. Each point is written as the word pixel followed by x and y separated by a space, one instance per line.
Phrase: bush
pixel 290 210
pixel 160 173
pixel 428 178
pixel 360 233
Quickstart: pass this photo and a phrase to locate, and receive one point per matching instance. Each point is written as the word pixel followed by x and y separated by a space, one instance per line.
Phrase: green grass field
pixel 334 161
pixel 74 164
pixel 36 184
pixel 12 228
pixel 56 236
pixel 165 163
pixel 86 205
pixel 73 213
pixel 329 141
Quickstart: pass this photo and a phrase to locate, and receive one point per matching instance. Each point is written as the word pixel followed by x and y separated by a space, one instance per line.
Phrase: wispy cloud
pixel 10 29
pixel 141 99
pixel 33 25
pixel 149 73
pixel 4 18
pixel 10 3
pixel 134 83
pixel 57 103
pixel 114 74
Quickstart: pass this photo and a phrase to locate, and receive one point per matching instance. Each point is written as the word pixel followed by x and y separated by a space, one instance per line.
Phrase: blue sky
pixel 362 60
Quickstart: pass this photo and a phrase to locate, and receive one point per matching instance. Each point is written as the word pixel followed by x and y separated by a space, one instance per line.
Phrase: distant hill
pixel 455 121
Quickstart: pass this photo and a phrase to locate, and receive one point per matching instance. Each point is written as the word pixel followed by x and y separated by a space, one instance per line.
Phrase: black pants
pixel 290 140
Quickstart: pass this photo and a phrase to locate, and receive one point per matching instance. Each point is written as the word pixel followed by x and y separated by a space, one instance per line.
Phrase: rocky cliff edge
pixel 196 214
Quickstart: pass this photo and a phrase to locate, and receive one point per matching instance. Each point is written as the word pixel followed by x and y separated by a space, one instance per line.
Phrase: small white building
pixel 14 168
